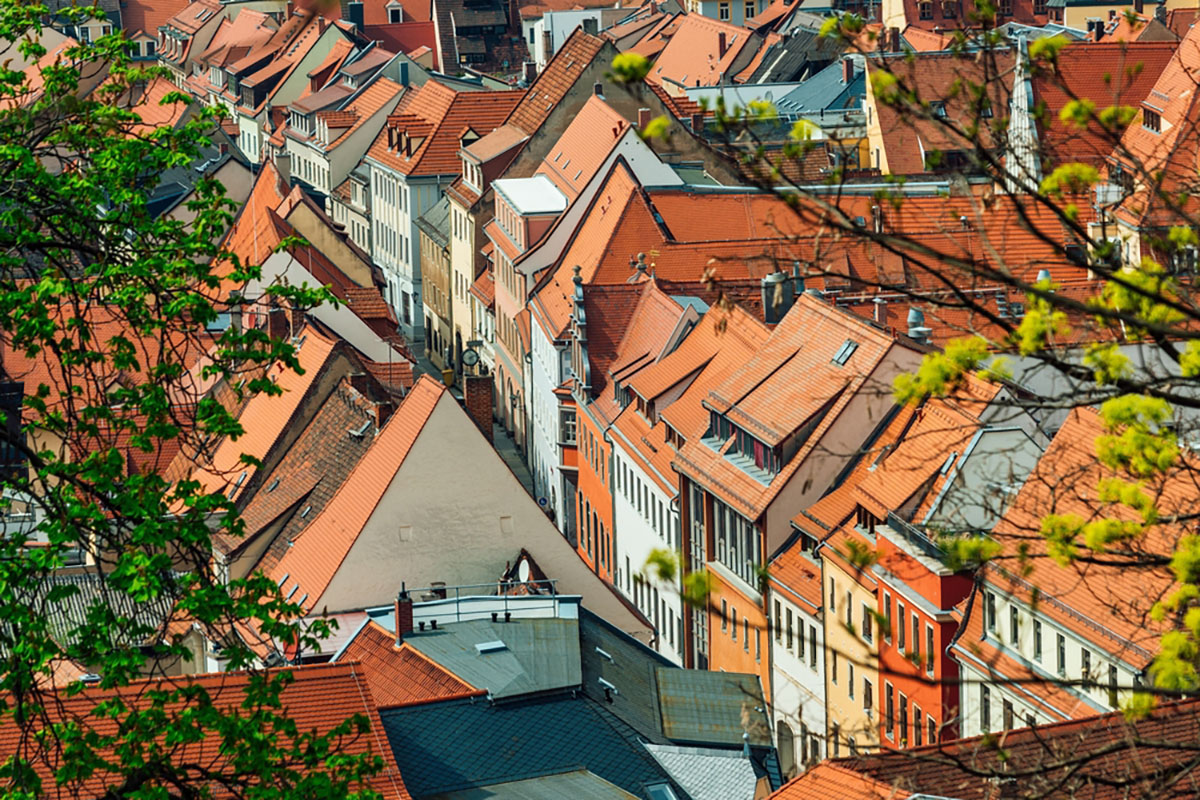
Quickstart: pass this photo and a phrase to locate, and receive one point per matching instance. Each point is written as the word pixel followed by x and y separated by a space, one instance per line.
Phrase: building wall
pixel 850 659
pixel 735 12
pixel 738 633
pixel 436 286
pixel 797 679
pixel 545 453
pixel 639 503
pixel 463 266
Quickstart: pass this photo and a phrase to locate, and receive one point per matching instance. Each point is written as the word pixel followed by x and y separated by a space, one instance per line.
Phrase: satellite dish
pixel 523 571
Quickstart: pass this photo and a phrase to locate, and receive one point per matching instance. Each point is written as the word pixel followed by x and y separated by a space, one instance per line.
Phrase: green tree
pixel 110 320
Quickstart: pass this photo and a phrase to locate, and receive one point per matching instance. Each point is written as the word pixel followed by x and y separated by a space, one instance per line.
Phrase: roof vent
pixel 483 648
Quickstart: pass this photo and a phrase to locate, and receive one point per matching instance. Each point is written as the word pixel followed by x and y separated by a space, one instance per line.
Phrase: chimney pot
pixel 508 616
pixel 643 118
pixel 433 624
pixel 421 625
pixel 495 616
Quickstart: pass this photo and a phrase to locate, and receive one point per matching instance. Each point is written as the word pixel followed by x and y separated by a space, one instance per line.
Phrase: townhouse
pixel 411 160
pixel 187 35
pixel 780 429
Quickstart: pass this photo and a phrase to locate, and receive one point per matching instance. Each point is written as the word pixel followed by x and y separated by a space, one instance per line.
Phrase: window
pixel 724 616
pixel 916 640
pixel 1062 654
pixel 938 108
pixel 929 649
pixel 931 723
pixel 850 679
pixel 844 352
pixel 889 710
pixel 833 668
pixel 985 708
pixel 746 634
pixel 789 632
pixel 757 645
pixel 989 612
pixel 1085 663
pixel 723 10
pixel 868 695
pixel 1030 720
pixel 733 613
pixel 950 9
pixel 900 626
pixel 1006 8
pixel 852 745
pixel 1037 640
pixel 1008 715
pixel 866 622
pixel 903 721
pixel 887 617
pixel 778 623
pixel 849 609
pixel 799 638
pixel 1039 6
pixel 751 9
pixel 1014 626
pixel 835 735
pixel 1112 685
pixel 918 734
pixel 812 646
pixel 567 426
pixel 1151 120
pixel 926 10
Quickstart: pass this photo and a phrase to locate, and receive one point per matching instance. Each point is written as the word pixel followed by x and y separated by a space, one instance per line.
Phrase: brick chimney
pixel 721 45
pixel 894 40
pixel 847 69
pixel 530 71
pixel 477 397
pixel 643 118
pixel 698 122
pixel 404 615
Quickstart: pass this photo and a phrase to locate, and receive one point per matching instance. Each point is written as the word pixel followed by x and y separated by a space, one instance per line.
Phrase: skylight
pixel 844 352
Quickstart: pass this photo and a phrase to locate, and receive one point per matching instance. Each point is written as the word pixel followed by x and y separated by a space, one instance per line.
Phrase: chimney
pixel 894 39
pixel 358 381
pixel 777 296
pixel 598 89
pixel 643 118
pixel 721 44
pixel 1139 6
pixel 880 310
pixel 278 323
pixel 354 10
pixel 1098 32
pixel 653 7
pixel 530 72
pixel 477 397
pixel 877 218
pixel 404 615
pixel 1160 13
pixel 847 69
pixel 1112 14
pixel 291 10
pixel 698 122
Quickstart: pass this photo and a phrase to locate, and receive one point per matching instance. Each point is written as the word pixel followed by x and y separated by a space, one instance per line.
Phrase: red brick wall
pixel 477 397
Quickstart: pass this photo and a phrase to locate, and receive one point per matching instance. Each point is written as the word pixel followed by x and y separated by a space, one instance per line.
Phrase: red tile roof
pixel 550 87
pixel 317 553
pixel 439 115
pixel 484 288
pixel 583 147
pixel 1108 74
pixel 401 676
pixel 147 16
pixel 318 698
pixel 693 57
pixel 1100 758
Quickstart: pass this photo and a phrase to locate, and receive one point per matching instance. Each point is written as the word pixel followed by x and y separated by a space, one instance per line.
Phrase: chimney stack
pixel 530 74
pixel 880 310
pixel 894 39
pixel 477 397
pixel 777 296
pixel 643 118
pixel 721 44
pixel 1098 33
pixel 598 89
pixel 698 122
pixel 847 69
pixel 1139 6
pixel 404 615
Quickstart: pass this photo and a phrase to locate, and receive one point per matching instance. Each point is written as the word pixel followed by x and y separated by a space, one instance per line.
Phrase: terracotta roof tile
pixel 692 57
pixel 583 147
pixel 316 555
pixel 560 74
pixel 147 16
pixel 484 288
pixel 400 676
pixel 317 698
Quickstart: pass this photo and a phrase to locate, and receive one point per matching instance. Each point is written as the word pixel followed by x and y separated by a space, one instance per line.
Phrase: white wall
pixel 798 679
pixel 546 374
pixel 644 520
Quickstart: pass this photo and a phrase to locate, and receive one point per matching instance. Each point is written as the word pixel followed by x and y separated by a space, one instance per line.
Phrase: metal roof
pixel 706 773
pixel 538 655
pixel 701 707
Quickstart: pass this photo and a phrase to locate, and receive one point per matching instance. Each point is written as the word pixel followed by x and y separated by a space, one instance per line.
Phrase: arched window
pixel 787 748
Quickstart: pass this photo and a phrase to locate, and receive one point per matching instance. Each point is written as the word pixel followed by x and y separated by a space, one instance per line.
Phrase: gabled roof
pixel 317 698
pixel 1108 74
pixel 147 16
pixel 1066 482
pixel 315 556
pixel 941 78
pixel 254 235
pixel 792 382
pixel 381 92
pixel 694 57
pixel 438 115
pixel 400 676
pixel 1120 759
pixel 583 147
pixel 194 15
pixel 560 74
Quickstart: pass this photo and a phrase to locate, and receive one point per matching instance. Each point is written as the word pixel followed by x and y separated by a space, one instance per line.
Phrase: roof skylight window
pixel 844 352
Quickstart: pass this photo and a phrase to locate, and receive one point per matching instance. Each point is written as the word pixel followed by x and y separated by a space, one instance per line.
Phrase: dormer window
pixel 395 13
pixel 1151 121
pixel 938 109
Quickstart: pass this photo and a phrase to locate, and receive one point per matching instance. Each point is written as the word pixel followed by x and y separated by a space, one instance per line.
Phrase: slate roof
pixel 577 785
pixel 515 741
pixel 801 52
pixel 706 773
pixel 435 223
pixel 538 655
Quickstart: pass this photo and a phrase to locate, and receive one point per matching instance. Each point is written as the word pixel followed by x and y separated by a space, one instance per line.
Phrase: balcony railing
pixel 915 536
